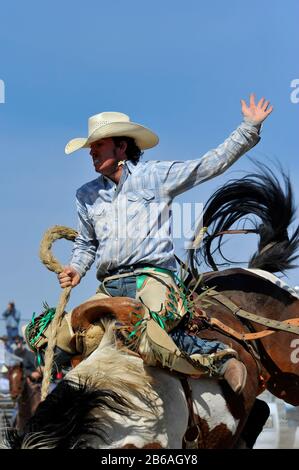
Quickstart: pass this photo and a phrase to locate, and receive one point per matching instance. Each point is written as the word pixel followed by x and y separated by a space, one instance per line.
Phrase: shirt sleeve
pixel 85 245
pixel 180 176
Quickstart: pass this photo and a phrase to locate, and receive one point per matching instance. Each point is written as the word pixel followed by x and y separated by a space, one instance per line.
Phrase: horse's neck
pixel 16 380
pixel 158 420
pixel 158 413
pixel 142 387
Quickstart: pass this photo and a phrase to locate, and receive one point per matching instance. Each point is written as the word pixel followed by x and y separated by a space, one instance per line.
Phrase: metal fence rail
pixel 7 409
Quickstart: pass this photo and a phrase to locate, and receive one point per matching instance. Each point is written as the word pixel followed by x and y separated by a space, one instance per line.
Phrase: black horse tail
pixel 257 196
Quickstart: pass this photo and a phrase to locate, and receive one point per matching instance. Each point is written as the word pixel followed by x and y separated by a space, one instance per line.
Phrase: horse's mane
pixel 79 406
pixel 260 199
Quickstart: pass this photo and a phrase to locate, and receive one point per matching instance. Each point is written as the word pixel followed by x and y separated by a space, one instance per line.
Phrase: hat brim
pixel 144 138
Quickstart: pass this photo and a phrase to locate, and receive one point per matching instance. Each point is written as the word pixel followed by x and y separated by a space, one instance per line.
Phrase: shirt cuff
pixel 81 271
pixel 249 124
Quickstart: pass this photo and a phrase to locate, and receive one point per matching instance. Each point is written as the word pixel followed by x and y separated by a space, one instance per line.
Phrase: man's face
pixel 106 155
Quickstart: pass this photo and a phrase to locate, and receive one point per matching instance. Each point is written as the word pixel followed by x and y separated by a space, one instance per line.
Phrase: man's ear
pixel 123 146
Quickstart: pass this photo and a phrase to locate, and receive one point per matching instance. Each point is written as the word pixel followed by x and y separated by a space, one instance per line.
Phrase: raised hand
pixel 256 113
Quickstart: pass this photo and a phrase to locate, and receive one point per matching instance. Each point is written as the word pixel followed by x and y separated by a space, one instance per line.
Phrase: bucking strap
pixel 286 325
pixel 247 336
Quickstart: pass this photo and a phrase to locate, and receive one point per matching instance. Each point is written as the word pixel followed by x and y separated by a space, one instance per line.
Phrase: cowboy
pixel 28 358
pixel 124 224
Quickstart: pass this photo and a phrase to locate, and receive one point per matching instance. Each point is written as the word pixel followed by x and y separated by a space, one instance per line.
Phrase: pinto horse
pixel 112 400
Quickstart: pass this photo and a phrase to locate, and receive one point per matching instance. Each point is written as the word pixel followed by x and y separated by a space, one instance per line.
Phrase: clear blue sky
pixel 177 67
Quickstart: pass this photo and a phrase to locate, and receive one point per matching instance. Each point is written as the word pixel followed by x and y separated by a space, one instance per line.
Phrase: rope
pixel 46 256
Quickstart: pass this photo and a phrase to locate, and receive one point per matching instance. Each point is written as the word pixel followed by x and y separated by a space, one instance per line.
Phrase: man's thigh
pixel 154 290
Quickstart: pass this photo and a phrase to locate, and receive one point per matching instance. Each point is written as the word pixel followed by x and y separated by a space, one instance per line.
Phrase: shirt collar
pixel 129 167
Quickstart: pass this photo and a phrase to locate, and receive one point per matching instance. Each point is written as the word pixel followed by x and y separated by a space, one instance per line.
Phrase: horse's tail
pixel 258 195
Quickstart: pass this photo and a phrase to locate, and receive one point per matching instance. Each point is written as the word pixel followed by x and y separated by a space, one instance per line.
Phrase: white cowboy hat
pixel 111 124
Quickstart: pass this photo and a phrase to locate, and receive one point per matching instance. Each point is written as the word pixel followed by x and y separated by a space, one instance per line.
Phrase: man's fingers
pixel 269 110
pixel 266 104
pixel 65 283
pixel 63 276
pixel 68 277
pixel 68 271
pixel 260 103
pixel 244 105
pixel 251 100
pixel 64 280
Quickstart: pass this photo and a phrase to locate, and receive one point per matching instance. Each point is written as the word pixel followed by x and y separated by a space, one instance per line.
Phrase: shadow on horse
pixel 113 400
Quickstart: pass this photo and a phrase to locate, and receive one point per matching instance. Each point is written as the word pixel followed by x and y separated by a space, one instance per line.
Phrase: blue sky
pixel 177 67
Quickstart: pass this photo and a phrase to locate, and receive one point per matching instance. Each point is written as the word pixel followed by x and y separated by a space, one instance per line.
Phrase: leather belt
pixel 131 271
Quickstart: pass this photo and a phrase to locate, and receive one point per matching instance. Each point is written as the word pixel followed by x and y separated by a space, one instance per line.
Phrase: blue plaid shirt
pixel 130 223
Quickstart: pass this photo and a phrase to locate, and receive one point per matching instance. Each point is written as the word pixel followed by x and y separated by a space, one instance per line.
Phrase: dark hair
pixel 19 339
pixel 133 152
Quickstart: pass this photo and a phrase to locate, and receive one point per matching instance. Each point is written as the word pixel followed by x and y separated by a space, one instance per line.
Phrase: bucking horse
pixel 112 400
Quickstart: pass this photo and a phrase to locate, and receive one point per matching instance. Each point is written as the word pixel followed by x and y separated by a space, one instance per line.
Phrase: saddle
pixel 81 332
pixel 145 337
